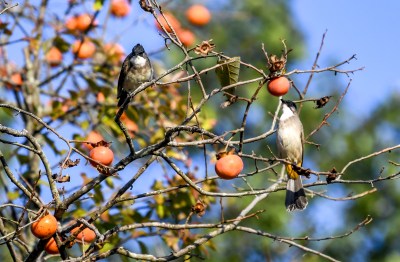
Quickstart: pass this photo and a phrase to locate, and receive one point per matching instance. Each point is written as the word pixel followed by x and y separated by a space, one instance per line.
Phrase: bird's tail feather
pixel 296 198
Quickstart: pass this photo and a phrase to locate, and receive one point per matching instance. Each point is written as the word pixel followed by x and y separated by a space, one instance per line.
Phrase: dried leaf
pixel 100 143
pixel 145 6
pixel 332 176
pixel 70 163
pixel 199 208
pixel 63 179
pixel 276 64
pixel 322 101
pixel 302 171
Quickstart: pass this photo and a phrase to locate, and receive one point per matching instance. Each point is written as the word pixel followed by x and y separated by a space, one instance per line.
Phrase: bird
pixel 290 139
pixel 136 70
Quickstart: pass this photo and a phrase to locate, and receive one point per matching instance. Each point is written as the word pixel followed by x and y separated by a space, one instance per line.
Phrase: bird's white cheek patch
pixel 139 61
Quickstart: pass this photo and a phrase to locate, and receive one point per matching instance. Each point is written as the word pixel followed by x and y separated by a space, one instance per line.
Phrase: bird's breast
pixel 289 139
pixel 137 76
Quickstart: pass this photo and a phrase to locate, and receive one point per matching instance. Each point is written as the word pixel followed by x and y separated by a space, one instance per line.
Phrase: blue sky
pixel 369 29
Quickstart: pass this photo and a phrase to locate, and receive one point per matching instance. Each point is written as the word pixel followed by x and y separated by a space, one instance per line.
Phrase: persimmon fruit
pixel 115 52
pixel 198 15
pixel 229 166
pixel 93 137
pixel 278 86
pixel 54 57
pixel 83 49
pixel 120 8
pixel 83 22
pixel 186 36
pixel 16 78
pixel 45 227
pixel 172 20
pixel 101 154
pixel 86 236
pixel 51 247
pixel 79 22
pixel 100 97
pixel 71 23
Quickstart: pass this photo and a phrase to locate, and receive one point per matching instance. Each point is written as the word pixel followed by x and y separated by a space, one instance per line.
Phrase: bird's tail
pixel 295 196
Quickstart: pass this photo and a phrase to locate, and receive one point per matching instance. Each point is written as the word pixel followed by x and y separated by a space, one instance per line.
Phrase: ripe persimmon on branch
pixel 161 183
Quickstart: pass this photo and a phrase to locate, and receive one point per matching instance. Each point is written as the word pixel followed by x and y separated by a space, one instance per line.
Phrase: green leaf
pixel 85 125
pixel 79 212
pixel 90 81
pixel 73 94
pixel 98 195
pixel 143 247
pixel 13 195
pixel 160 211
pixel 61 44
pixel 228 73
pixel 23 159
pixel 98 5
pixel 107 247
pixel 109 182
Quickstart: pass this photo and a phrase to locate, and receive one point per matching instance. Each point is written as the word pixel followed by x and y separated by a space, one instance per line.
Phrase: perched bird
pixel 136 70
pixel 290 139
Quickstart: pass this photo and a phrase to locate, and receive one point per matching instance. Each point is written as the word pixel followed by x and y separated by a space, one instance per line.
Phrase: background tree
pixel 160 199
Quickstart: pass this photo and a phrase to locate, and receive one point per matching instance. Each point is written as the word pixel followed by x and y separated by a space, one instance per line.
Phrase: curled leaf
pixel 322 101
pixel 332 176
pixel 199 208
pixel 276 64
pixel 145 6
pixel 302 171
pixel 63 179
pixel 70 163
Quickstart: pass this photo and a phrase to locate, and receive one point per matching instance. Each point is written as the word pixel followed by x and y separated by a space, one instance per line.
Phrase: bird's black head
pixel 138 49
pixel 290 104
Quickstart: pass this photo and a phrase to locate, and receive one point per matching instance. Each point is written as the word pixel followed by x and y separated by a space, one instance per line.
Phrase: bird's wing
pixel 122 75
pixel 152 76
pixel 302 144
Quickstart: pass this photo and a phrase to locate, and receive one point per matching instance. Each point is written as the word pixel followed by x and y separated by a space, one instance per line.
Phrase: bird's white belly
pixel 289 144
